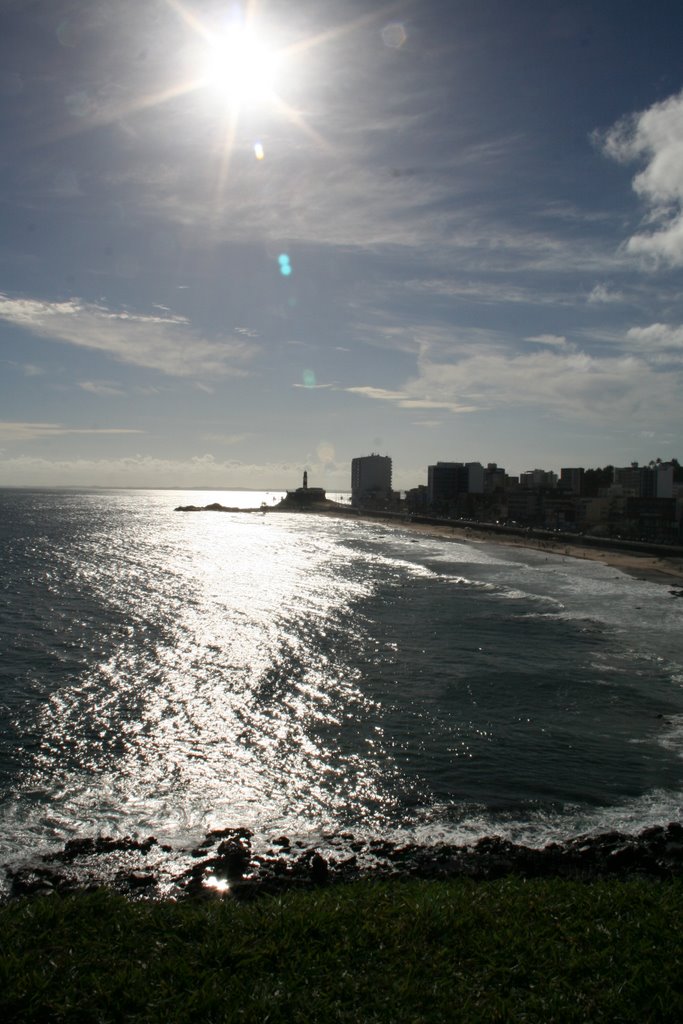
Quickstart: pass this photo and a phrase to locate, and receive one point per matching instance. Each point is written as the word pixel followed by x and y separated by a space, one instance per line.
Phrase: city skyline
pixel 240 244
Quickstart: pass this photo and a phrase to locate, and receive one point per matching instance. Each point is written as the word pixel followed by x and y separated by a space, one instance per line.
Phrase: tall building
pixel 445 481
pixel 571 479
pixel 370 479
pixel 476 475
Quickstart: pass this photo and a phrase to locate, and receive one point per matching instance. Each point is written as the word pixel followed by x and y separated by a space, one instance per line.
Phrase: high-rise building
pixel 370 479
pixel 445 481
pixel 571 480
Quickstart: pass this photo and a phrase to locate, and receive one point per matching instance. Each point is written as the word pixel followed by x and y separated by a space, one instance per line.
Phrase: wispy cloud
pixel 488 293
pixel 18 431
pixel 101 388
pixel 169 344
pixel 552 340
pixel 655 136
pixel 411 398
pixel 557 377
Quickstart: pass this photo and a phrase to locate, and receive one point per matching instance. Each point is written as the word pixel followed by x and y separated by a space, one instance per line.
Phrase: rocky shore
pixel 227 862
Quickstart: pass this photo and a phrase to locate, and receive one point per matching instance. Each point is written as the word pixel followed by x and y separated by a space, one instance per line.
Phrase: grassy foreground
pixel 373 952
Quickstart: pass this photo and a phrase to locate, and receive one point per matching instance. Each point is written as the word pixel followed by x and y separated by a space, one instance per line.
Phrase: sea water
pixel 168 673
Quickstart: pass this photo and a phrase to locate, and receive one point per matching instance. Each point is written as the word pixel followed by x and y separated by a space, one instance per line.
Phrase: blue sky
pixel 477 206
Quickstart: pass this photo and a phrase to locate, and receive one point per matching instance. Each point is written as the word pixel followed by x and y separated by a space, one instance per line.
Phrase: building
pixel 476 475
pixel 538 479
pixel 371 480
pixel 445 481
pixel 628 477
pixel 653 481
pixel 494 478
pixel 571 480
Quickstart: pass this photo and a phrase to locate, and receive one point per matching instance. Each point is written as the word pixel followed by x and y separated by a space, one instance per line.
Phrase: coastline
pixel 646 565
pixel 651 568
pixel 226 863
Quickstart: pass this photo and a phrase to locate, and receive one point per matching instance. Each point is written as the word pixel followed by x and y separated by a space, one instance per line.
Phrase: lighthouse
pixel 304 496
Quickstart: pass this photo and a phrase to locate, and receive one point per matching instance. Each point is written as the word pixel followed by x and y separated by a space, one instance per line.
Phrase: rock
pixel 319 870
pixel 137 880
pixel 233 858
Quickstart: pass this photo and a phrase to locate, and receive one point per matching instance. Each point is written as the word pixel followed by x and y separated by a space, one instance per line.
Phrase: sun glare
pixel 240 67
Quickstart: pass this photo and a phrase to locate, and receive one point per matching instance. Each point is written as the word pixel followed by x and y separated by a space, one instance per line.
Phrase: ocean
pixel 168 673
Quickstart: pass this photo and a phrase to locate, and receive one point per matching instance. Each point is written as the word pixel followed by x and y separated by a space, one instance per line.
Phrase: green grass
pixel 392 952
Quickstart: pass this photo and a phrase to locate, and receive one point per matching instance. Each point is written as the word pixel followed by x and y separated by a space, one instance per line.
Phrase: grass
pixel 534 951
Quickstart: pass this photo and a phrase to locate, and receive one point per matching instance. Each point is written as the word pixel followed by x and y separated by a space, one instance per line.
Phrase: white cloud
pixel 656 136
pixel 602 294
pixel 556 379
pixel 18 431
pixel 661 337
pixel 165 343
pixel 564 382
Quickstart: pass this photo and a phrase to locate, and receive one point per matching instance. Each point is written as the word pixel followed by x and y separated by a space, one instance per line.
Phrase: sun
pixel 240 67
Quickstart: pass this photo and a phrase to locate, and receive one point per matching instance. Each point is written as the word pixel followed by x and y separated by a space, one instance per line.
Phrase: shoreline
pixel 225 863
pixel 663 569
pixel 646 565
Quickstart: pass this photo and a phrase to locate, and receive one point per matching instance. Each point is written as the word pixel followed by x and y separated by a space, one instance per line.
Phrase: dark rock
pixel 75 848
pixel 137 880
pixel 234 856
pixel 319 870
pixel 656 852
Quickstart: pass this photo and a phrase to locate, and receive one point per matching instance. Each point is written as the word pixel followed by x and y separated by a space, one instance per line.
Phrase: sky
pixel 243 240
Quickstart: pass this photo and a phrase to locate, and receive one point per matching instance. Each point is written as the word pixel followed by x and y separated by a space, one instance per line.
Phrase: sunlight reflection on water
pixel 228 690
pixel 297 674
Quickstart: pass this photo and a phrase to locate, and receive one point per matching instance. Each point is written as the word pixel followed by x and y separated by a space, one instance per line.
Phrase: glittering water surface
pixel 172 672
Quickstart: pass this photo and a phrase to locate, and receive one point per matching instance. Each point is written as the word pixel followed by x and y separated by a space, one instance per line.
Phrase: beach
pixel 654 568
